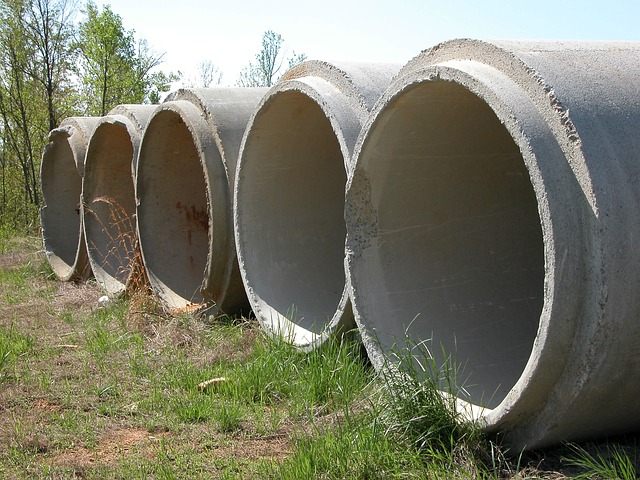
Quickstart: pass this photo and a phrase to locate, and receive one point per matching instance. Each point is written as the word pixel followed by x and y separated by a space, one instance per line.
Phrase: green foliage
pixel 107 60
pixel 35 93
pixel 408 428
pixel 50 69
pixel 277 373
pixel 50 33
pixel 20 104
pixel 114 69
pixel 268 62
pixel 419 398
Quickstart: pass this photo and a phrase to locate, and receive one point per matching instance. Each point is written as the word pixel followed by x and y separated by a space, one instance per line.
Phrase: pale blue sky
pixel 229 33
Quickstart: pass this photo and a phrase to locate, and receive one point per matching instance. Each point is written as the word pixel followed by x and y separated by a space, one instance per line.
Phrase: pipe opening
pixel 173 213
pixel 61 188
pixel 291 225
pixel 459 244
pixel 110 202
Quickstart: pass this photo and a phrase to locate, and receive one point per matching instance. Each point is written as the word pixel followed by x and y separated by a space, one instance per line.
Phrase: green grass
pixel 13 345
pixel 611 463
pixel 113 392
pixel 16 284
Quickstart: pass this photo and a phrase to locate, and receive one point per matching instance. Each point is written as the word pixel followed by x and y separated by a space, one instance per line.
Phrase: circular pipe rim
pixel 214 179
pixel 72 135
pixel 343 121
pixel 494 88
pixel 112 248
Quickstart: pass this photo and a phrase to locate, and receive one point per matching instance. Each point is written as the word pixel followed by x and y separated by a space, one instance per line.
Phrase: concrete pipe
pixel 184 181
pixel 289 197
pixel 493 210
pixel 61 174
pixel 108 199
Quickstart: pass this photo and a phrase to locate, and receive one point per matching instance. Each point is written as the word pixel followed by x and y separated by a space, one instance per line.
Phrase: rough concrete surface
pixel 61 174
pixel 184 183
pixel 491 215
pixel 492 211
pixel 289 197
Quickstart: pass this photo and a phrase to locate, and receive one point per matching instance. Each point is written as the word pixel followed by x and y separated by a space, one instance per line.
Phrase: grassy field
pixel 123 390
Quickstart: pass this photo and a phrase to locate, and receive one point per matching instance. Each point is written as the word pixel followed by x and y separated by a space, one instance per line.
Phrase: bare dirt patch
pixel 46 405
pixel 78 296
pixel 112 446
pixel 274 447
pixel 12 259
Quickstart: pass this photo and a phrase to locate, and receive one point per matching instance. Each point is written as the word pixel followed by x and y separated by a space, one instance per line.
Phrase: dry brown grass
pixel 123 255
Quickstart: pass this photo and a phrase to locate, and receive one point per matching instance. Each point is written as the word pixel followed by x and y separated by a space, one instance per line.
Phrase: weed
pixel 229 417
pixel 419 399
pixel 354 449
pixel 119 252
pixel 192 408
pixel 612 464
pixel 407 426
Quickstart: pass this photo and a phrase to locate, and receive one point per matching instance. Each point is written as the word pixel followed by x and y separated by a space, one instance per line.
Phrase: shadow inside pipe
pixel 172 210
pixel 61 188
pixel 291 219
pixel 458 256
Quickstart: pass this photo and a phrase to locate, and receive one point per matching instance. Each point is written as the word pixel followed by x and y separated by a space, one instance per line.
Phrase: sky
pixel 229 32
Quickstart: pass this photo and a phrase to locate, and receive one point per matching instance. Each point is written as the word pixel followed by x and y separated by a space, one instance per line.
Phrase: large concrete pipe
pixel 61 174
pixel 185 180
pixel 289 197
pixel 108 199
pixel 493 210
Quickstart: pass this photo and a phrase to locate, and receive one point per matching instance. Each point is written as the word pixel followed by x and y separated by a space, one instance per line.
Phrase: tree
pixel 151 85
pixel 114 69
pixel 23 109
pixel 50 31
pixel 268 63
pixel 208 74
pixel 40 84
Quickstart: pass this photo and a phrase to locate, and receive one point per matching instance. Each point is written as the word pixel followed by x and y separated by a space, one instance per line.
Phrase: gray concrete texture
pixel 184 183
pixel 61 174
pixel 493 213
pixel 490 215
pixel 289 196
pixel 108 198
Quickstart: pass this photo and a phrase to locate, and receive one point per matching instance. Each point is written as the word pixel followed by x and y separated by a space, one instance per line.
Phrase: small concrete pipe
pixel 493 210
pixel 108 198
pixel 289 197
pixel 184 182
pixel 61 174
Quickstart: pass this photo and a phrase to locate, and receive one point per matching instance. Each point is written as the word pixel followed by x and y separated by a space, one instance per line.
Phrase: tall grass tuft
pixel 404 424
pixel 613 464
pixel 321 381
pixel 357 448
pixel 419 399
